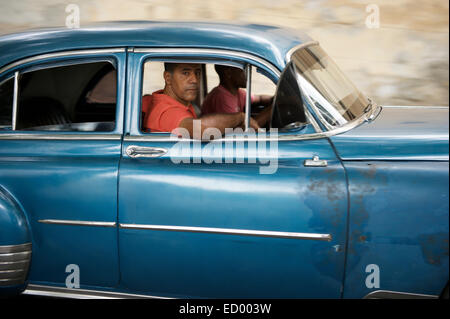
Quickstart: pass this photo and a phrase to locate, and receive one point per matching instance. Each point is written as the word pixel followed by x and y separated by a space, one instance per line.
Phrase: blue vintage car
pixel 340 198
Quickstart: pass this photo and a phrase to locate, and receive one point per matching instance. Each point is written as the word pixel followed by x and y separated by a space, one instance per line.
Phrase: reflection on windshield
pixel 336 100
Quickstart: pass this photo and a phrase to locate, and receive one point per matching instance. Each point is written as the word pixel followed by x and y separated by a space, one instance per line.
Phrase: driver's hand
pixel 253 124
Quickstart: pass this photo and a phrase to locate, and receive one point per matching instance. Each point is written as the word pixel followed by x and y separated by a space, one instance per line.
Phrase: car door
pixel 260 216
pixel 64 174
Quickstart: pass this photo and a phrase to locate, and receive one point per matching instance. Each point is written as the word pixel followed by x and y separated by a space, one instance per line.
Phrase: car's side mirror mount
pixel 293 127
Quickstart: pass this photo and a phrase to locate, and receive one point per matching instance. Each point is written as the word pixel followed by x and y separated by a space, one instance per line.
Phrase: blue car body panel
pixel 399 222
pixel 270 43
pixel 231 196
pixel 220 266
pixel 398 133
pixel 69 181
pixel 398 185
pixel 383 198
pixel 15 226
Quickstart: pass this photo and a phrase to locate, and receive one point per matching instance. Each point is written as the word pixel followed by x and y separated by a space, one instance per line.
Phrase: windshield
pixel 335 99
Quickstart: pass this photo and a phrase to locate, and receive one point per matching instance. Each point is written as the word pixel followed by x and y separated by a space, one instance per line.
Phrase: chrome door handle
pixel 315 162
pixel 150 152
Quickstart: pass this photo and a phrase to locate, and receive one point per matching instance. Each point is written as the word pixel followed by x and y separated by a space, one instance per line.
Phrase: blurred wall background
pixel 401 58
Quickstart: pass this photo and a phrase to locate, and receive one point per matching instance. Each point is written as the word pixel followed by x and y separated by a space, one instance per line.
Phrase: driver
pixel 229 95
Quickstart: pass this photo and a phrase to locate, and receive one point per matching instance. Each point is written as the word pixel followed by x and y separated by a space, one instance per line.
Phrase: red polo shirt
pixel 163 113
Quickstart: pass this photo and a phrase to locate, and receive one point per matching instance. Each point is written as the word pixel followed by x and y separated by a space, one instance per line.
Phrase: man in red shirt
pixel 171 108
pixel 229 96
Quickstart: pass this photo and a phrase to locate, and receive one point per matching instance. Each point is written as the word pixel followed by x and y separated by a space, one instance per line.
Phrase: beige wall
pixel 404 61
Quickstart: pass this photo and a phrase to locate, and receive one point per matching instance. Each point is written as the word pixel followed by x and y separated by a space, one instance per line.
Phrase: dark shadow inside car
pixel 76 97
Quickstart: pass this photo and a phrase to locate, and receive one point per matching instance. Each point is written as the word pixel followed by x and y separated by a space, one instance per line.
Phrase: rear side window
pixel 77 97
pixel 6 102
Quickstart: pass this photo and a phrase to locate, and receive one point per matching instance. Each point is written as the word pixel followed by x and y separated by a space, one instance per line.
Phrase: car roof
pixel 268 42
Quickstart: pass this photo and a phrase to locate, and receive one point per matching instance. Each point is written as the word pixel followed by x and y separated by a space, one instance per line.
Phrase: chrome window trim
pixel 230 53
pixel 70 62
pixel 347 126
pixel 293 137
pixel 62 292
pixel 50 136
pixel 59 137
pixel 15 100
pixel 229 231
pixel 313 120
pixel 298 47
pixel 316 111
pixel 248 96
pixel 388 294
pixel 77 222
pixel 60 54
pixel 152 137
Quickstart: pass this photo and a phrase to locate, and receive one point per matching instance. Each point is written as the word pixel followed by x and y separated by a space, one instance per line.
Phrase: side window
pixel 77 97
pixel 153 79
pixel 288 107
pixel 263 87
pixel 6 102
pixel 231 101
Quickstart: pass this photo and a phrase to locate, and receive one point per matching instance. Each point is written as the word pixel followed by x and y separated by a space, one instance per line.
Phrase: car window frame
pixel 322 128
pixel 139 54
pixel 66 58
pixel 190 55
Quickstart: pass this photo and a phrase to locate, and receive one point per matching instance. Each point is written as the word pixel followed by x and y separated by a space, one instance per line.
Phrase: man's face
pixel 239 78
pixel 184 82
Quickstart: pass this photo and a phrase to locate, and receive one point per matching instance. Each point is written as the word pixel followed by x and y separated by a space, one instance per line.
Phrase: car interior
pixel 72 97
pixel 153 81
pixel 81 96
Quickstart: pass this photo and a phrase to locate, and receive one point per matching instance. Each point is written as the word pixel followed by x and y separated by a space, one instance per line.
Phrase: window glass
pixel 288 107
pixel 261 84
pixel 336 99
pixel 153 80
pixel 6 102
pixel 263 89
pixel 77 97
pixel 212 77
pixel 153 77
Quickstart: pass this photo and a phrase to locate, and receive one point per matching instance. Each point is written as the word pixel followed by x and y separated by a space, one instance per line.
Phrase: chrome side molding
pixel 59 137
pixel 228 231
pixel 387 294
pixel 62 292
pixel 14 264
pixel 77 222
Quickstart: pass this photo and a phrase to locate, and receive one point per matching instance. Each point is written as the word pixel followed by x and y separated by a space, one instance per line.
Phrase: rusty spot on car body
pixel 328 188
pixel 434 247
pixel 330 184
